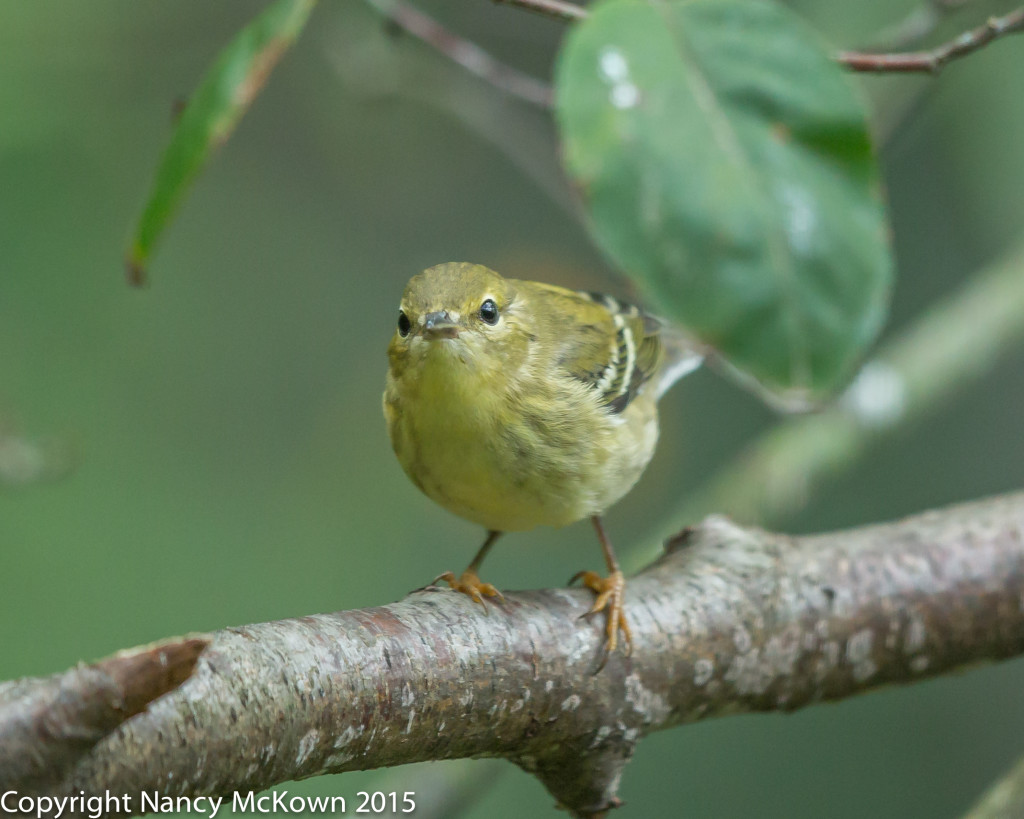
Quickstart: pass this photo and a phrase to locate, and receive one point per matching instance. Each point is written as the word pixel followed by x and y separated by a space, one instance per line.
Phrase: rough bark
pixel 46 725
pixel 728 620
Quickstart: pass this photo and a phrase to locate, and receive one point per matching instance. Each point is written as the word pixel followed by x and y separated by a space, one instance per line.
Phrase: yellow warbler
pixel 515 403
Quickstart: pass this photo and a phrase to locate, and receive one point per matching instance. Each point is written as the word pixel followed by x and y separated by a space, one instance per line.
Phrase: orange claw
pixel 469 584
pixel 610 591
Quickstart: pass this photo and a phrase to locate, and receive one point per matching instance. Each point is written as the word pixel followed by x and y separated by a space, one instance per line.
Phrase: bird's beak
pixel 439 325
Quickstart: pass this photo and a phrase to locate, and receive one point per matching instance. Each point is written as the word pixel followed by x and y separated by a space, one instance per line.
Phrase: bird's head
pixel 458 311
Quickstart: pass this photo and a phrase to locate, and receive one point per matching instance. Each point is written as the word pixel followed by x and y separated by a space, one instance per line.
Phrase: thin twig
pixel 931 61
pixel 1003 799
pixel 466 53
pixel 918 24
pixel 558 9
pixel 522 132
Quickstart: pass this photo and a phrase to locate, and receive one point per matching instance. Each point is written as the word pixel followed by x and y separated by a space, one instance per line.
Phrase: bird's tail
pixel 682 355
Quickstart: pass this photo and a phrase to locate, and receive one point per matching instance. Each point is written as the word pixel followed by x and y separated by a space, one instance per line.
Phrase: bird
pixel 516 404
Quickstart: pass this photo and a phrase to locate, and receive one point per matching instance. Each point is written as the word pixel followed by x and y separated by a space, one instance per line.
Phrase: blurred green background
pixel 229 458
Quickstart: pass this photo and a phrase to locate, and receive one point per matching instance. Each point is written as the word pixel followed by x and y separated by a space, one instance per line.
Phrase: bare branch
pixel 918 24
pixel 738 620
pixel 464 52
pixel 46 725
pixel 931 61
pixel 372 68
pixel 1005 799
pixel 558 9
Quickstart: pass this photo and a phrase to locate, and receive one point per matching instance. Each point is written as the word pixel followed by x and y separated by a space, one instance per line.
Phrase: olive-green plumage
pixel 538 409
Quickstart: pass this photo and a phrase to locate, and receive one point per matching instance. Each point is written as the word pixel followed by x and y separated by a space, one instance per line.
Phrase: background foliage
pixel 229 460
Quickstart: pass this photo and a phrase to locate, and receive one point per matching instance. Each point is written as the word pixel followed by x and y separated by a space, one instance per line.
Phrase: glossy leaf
pixel 726 166
pixel 211 115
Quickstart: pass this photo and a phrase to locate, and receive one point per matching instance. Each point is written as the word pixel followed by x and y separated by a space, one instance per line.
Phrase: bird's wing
pixel 612 347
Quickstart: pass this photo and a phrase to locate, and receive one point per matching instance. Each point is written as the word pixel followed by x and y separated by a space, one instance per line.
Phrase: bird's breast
pixel 513 455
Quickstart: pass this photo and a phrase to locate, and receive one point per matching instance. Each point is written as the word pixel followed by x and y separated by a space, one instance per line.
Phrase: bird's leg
pixel 610 591
pixel 468 582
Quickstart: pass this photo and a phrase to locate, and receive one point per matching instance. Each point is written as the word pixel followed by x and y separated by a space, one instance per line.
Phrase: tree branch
pixel 929 62
pixel 465 52
pixel 1004 799
pixel 943 352
pixel 738 620
pixel 557 9
pixel 372 67
pixel 918 24
pixel 932 61
pixel 47 725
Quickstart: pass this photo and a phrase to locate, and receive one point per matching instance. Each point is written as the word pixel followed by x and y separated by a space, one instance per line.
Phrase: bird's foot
pixel 469 584
pixel 610 591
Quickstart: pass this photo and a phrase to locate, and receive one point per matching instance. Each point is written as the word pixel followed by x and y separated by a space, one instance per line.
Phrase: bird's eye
pixel 404 325
pixel 489 312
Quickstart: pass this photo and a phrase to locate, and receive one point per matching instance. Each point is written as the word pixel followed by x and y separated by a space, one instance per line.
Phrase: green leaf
pixel 726 166
pixel 211 115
